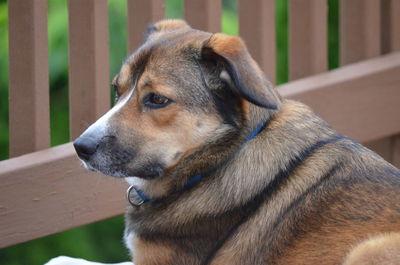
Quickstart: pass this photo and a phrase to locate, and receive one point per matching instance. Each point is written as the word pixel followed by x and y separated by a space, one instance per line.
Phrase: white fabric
pixel 63 260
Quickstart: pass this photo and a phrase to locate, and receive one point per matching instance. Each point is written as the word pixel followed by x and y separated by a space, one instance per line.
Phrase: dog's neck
pixel 178 179
pixel 231 179
pixel 137 197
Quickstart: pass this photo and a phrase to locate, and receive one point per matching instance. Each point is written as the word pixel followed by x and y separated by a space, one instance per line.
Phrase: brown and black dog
pixel 225 171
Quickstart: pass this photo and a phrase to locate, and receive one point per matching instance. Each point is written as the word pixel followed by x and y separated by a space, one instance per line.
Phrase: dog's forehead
pixel 167 59
pixel 167 46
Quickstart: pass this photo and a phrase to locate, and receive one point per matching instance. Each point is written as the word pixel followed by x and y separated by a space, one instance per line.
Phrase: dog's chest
pixel 146 252
pixel 129 239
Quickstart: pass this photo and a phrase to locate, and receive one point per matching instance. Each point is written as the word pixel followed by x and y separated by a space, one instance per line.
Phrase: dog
pixel 226 171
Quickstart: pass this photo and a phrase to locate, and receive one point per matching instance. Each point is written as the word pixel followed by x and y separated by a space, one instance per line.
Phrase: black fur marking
pixel 225 101
pixel 312 189
pixel 177 154
pixel 151 170
pixel 209 54
pixel 253 206
pixel 151 28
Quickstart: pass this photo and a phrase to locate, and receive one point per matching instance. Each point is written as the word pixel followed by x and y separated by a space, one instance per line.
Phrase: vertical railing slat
pixel 89 91
pixel 140 14
pixel 204 15
pixel 307 37
pixel 29 78
pixel 395 25
pixel 360 38
pixel 390 10
pixel 395 46
pixel 391 42
pixel 360 30
pixel 257 28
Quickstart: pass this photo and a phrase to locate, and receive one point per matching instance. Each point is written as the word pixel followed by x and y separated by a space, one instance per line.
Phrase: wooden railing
pixel 45 190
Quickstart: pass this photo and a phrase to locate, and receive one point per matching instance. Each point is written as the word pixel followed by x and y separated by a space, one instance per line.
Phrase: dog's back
pixel 328 195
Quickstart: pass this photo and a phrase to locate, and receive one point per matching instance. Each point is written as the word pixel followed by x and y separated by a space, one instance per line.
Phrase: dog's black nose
pixel 85 147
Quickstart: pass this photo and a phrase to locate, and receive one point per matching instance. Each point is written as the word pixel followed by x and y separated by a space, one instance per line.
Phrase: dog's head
pixel 183 95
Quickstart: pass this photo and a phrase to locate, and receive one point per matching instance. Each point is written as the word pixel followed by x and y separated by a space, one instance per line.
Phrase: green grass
pixel 102 241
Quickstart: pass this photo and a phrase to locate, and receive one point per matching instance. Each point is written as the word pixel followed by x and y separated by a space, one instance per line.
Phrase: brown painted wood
pixel 29 76
pixel 390 28
pixel 49 191
pixel 204 15
pixel 140 14
pixel 361 39
pixel 359 100
pixel 395 46
pixel 383 147
pixel 359 30
pixel 396 150
pixel 257 28
pixel 89 92
pixel 390 11
pixel 308 37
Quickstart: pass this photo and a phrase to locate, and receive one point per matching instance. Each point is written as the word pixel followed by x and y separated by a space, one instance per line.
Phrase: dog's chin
pixel 147 172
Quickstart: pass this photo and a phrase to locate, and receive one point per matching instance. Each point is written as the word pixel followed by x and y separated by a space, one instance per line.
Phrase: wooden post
pixel 307 37
pixel 89 92
pixel 360 30
pixel 257 28
pixel 204 15
pixel 391 42
pixel 140 14
pixel 29 77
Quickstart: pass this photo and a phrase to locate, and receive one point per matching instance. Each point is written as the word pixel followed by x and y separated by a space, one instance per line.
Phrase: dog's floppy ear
pixel 165 26
pixel 246 78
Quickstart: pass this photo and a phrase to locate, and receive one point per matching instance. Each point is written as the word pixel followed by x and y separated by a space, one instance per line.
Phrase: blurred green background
pixel 102 241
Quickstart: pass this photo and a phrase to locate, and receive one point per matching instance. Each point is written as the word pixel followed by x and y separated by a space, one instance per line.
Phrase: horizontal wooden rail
pixel 359 100
pixel 48 191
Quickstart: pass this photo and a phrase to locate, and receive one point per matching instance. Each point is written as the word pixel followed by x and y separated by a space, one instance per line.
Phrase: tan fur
pixel 378 250
pixel 230 46
pixel 171 24
pixel 150 253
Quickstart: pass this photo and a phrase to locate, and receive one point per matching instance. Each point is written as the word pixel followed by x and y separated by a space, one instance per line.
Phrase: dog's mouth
pixel 148 171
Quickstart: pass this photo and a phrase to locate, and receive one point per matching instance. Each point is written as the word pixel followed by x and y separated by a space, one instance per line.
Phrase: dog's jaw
pixel 152 188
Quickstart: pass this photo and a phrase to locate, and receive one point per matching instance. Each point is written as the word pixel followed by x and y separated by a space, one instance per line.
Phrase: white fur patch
pixel 137 182
pixel 129 240
pixel 101 124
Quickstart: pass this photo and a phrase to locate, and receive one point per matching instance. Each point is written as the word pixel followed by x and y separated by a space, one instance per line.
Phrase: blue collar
pixel 141 198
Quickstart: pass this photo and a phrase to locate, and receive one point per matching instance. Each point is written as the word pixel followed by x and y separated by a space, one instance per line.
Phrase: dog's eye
pixel 155 101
